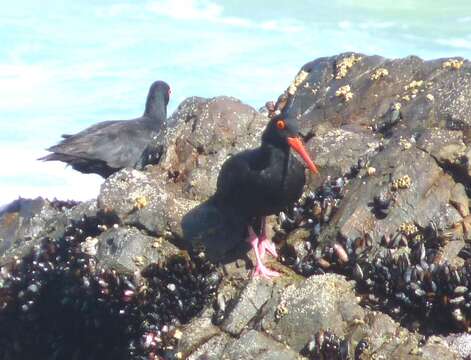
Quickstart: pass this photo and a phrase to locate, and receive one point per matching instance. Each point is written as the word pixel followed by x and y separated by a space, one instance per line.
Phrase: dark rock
pixel 248 305
pixel 201 135
pixel 25 222
pixel 214 349
pixel 148 202
pixel 337 150
pixel 255 345
pixel 446 146
pixel 317 303
pixel 316 101
pixel 129 250
pixel 424 196
pixel 219 231
pixel 296 242
pixel 196 333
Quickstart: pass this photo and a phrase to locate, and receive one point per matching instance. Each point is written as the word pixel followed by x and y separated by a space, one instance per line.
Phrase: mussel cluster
pixel 325 345
pixel 406 275
pixel 59 303
pixel 312 212
pixel 414 281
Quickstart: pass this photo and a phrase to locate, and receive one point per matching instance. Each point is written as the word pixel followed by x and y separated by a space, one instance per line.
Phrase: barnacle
pixel 344 92
pixel 379 73
pixel 404 182
pixel 344 65
pixel 453 64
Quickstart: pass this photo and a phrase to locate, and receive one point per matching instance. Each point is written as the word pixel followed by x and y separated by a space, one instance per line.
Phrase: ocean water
pixel 65 66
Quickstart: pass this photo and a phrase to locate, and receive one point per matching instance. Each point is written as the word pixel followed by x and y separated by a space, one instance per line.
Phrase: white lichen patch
pixel 344 65
pixel 344 92
pixel 430 97
pixel 379 73
pixel 453 64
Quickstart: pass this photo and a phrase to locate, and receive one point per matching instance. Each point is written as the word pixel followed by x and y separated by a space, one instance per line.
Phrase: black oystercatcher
pixel 109 146
pixel 264 181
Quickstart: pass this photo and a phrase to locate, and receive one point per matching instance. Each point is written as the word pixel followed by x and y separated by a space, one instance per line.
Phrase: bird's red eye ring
pixel 280 124
pixel 170 91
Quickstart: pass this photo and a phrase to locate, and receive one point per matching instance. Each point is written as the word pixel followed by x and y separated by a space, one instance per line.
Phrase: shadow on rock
pixel 220 231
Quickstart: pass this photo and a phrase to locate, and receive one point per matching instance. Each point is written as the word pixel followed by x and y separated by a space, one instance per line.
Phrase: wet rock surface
pixel 375 256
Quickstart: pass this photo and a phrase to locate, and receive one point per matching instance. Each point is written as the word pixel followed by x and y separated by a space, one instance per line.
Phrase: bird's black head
pixel 159 88
pixel 157 99
pixel 279 129
pixel 283 132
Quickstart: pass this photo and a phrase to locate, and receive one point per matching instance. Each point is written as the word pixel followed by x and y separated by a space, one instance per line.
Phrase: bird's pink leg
pixel 260 268
pixel 265 245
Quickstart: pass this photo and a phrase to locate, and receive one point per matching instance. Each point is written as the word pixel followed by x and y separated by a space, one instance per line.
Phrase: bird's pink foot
pixel 265 245
pixel 260 268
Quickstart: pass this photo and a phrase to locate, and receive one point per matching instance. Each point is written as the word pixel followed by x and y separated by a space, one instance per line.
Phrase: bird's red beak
pixel 298 146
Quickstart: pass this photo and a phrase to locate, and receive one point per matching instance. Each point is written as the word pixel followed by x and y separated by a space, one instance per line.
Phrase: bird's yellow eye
pixel 280 124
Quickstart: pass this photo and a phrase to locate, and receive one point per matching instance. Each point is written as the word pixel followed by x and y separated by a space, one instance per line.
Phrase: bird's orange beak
pixel 297 145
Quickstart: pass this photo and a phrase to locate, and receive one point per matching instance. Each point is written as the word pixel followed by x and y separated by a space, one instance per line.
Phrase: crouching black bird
pixel 109 146
pixel 264 181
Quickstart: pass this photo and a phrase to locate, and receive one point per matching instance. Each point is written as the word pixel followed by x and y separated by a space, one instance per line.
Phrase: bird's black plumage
pixel 265 180
pixel 261 181
pixel 109 146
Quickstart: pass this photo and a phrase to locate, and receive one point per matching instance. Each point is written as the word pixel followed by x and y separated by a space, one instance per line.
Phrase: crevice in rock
pixel 456 171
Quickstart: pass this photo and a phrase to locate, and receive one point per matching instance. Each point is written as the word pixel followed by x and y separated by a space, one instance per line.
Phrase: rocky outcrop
pixel 379 240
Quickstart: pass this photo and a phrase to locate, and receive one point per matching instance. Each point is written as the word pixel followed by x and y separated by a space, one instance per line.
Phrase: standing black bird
pixel 264 181
pixel 109 146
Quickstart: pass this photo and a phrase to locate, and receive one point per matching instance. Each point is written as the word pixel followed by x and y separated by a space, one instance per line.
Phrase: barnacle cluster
pixel 344 65
pixel 140 202
pixel 298 80
pixel 379 73
pixel 414 84
pixel 405 144
pixel 453 64
pixel 404 182
pixel 408 229
pixel 344 92
pixel 57 302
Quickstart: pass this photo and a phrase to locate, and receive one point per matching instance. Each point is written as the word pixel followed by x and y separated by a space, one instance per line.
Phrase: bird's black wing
pixel 116 143
pixel 242 172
